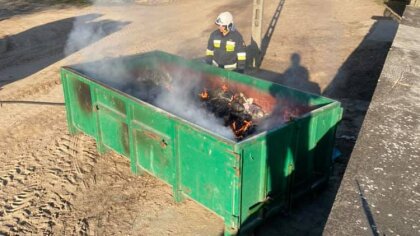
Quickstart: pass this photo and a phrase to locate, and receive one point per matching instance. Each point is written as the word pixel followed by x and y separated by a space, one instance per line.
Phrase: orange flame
pixel 245 127
pixel 204 95
pixel 233 126
pixel 239 132
pixel 225 87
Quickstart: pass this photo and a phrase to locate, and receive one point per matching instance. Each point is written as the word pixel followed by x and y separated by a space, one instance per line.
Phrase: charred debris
pixel 238 112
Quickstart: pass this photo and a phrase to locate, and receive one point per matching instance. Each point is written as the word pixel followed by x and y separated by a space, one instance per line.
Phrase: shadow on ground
pixel 353 85
pixel 10 9
pixel 38 47
pixel 295 76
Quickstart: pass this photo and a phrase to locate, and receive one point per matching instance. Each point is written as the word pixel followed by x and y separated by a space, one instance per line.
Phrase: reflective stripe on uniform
pixel 230 46
pixel 241 56
pixel 229 67
pixel 216 43
pixel 209 53
pixel 233 66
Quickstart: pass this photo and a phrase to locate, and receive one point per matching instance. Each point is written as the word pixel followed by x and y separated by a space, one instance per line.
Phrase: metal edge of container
pixel 311 113
pixel 209 68
pixel 217 136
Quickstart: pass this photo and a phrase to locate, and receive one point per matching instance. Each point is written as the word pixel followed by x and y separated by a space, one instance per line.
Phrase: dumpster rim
pixel 217 136
pixel 276 128
pixel 329 102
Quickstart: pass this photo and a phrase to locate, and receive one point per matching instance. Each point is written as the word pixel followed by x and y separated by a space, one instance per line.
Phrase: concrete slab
pixel 398 64
pixel 411 16
pixel 380 191
pixel 408 38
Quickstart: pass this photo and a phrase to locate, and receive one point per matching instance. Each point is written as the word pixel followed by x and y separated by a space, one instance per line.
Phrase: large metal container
pixel 241 181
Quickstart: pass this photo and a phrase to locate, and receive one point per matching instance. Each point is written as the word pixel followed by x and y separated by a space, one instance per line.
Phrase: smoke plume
pixel 152 87
pixel 182 100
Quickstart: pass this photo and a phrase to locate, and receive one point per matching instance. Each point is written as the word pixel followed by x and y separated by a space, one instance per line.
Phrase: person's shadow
pixel 297 76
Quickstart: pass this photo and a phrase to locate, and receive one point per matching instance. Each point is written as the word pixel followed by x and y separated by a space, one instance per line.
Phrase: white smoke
pixel 182 100
pixel 85 44
pixel 83 34
pixel 85 41
pixel 86 34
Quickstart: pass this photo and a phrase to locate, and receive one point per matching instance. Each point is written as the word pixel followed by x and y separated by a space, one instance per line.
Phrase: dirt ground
pixel 55 184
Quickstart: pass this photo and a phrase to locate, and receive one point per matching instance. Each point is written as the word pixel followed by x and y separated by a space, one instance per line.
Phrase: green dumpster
pixel 118 102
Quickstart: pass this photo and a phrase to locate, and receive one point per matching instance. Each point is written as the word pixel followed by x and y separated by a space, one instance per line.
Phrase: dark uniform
pixel 227 51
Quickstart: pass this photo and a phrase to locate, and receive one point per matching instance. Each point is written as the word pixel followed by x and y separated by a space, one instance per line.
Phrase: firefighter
pixel 226 47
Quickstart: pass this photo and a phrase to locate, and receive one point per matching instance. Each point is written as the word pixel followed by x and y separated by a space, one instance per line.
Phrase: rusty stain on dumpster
pixel 125 138
pixel 151 135
pixel 119 105
pixel 83 96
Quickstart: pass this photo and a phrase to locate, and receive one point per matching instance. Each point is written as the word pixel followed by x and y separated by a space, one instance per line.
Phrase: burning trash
pixel 231 110
pixel 239 113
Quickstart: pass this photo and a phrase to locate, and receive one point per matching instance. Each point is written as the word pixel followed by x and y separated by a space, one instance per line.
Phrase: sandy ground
pixel 54 183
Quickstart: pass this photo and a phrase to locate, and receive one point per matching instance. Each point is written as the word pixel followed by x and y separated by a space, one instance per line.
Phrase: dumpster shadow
pixel 254 53
pixel 354 85
pixel 356 79
pixel 34 49
pixel 9 9
pixel 358 76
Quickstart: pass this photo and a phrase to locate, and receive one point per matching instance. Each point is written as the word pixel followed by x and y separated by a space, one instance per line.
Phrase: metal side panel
pixel 324 136
pixel 79 103
pixel 113 130
pixel 268 169
pixel 209 173
pixel 153 152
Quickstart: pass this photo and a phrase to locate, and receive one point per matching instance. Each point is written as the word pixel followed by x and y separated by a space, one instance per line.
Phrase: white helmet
pixel 225 18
